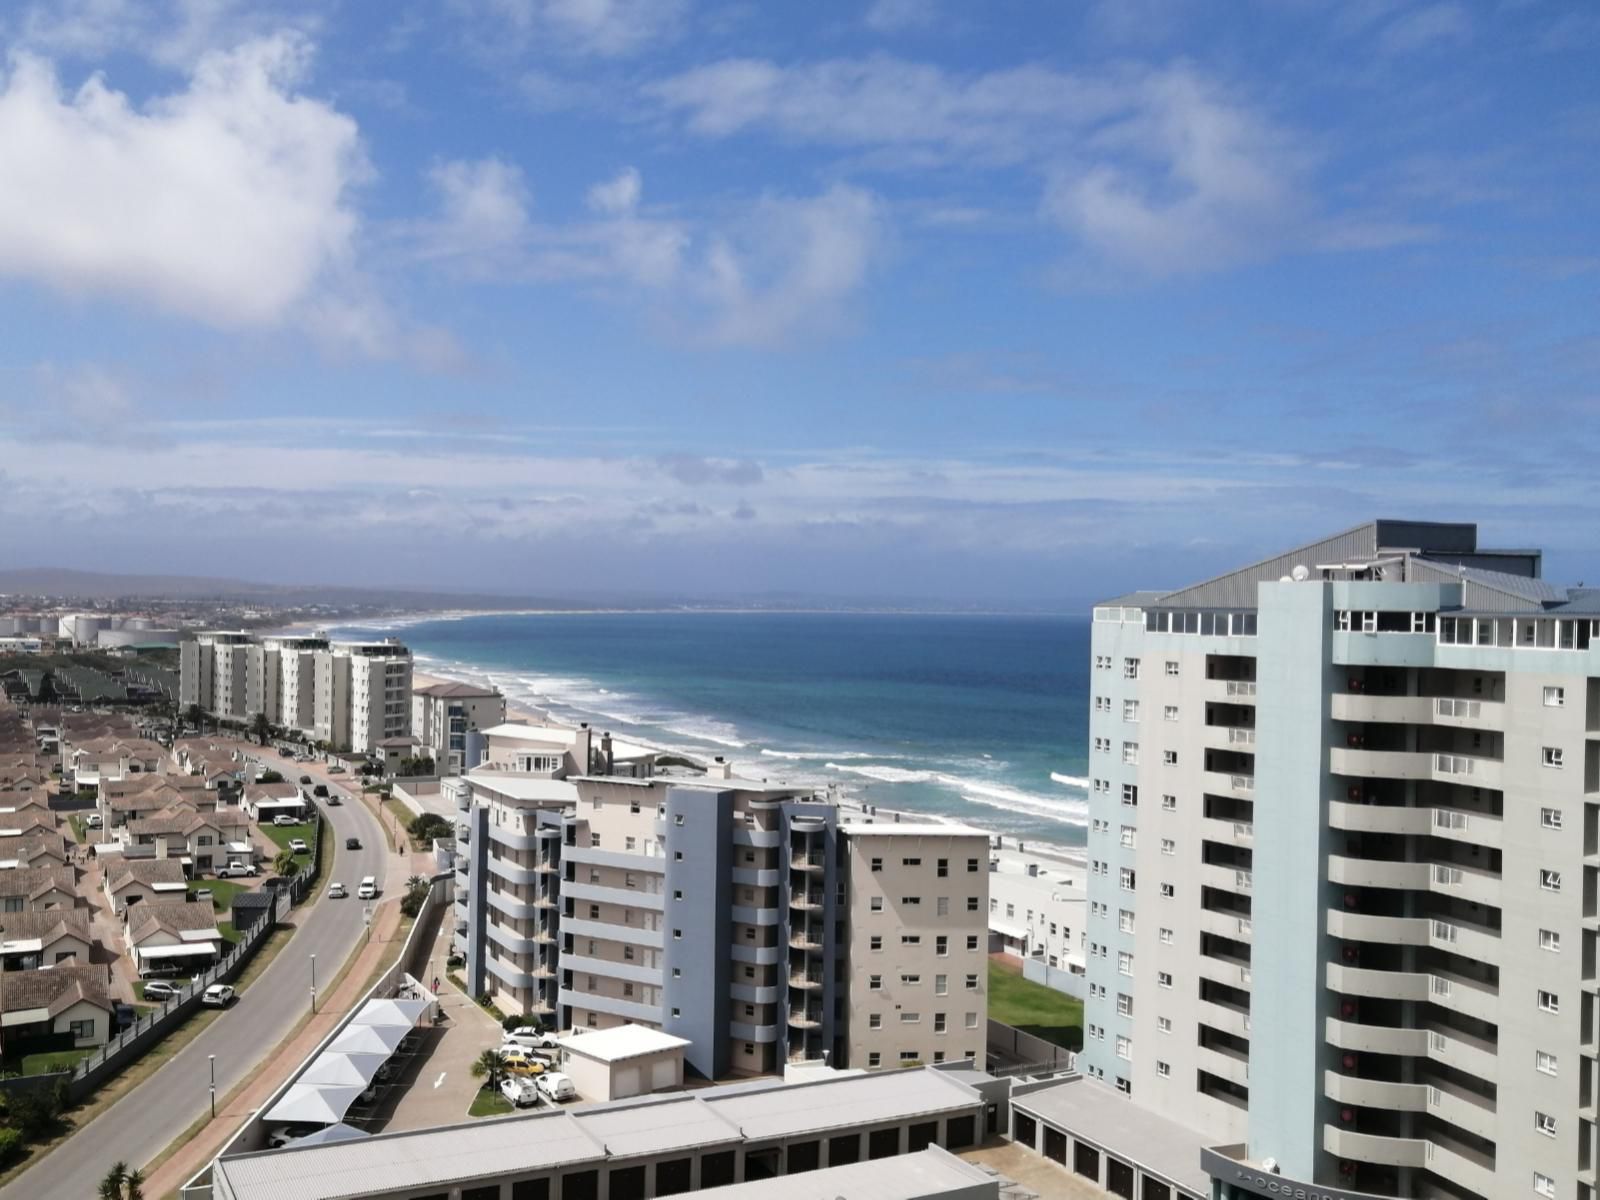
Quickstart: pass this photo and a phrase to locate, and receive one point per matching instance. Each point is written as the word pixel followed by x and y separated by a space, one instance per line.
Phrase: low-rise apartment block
pixel 446 716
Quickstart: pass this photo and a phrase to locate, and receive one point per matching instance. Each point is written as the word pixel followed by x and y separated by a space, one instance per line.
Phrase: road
pixel 146 1120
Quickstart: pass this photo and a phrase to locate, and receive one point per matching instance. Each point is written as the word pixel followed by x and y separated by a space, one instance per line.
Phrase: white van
pixel 556 1085
pixel 368 889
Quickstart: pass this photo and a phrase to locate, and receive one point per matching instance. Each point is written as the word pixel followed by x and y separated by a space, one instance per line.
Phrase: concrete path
pixel 146 1120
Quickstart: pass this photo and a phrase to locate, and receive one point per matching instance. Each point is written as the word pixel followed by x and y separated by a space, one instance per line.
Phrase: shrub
pixel 11 1146
pixel 428 826
pixel 516 1022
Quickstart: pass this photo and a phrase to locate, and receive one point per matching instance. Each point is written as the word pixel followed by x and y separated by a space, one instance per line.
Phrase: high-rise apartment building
pixel 597 884
pixel 444 716
pixel 1344 821
pixel 351 695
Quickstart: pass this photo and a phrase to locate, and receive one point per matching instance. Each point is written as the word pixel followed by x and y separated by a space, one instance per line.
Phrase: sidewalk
pixel 280 1062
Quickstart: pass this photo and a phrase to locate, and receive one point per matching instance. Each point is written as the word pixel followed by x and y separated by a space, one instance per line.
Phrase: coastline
pixel 1071 856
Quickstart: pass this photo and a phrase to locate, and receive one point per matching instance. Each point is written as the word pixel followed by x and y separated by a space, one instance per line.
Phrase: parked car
pixel 530 1038
pixel 158 989
pixel 352 843
pixel 93 821
pixel 285 1134
pixel 523 1093
pixel 336 769
pixel 336 892
pixel 122 1016
pixel 284 819
pixel 274 883
pixel 237 870
pixel 200 894
pixel 368 889
pixel 218 995
pixel 298 845
pixel 556 1086
pixel 521 1062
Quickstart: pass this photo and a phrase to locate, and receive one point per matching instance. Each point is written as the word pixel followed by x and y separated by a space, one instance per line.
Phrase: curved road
pixel 146 1120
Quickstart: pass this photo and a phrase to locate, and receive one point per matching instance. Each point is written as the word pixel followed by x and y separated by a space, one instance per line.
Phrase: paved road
pixel 146 1120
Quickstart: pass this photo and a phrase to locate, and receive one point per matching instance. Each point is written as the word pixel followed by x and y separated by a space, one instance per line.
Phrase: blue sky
pixel 1011 302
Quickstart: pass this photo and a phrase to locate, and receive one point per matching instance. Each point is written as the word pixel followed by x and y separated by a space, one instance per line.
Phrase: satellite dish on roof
pixel 1301 573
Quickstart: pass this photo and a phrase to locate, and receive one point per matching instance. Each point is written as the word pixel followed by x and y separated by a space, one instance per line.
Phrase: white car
pixel 336 892
pixel 218 995
pixel 298 845
pixel 523 1093
pixel 557 1086
pixel 368 889
pixel 284 819
pixel 92 821
pixel 235 870
pixel 529 1038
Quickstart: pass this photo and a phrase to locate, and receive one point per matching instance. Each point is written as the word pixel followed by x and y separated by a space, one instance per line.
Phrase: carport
pixel 314 1104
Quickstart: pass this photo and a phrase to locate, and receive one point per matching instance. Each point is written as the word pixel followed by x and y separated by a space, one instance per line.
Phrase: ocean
pixel 981 718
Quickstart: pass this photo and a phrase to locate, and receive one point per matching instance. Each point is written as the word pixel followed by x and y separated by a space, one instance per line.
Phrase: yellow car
pixel 520 1062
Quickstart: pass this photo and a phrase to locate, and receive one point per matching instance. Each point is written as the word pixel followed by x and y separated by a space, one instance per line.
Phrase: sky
pixel 999 303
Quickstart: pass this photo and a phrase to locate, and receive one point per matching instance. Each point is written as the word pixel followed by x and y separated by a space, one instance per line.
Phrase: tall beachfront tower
pixel 1345 828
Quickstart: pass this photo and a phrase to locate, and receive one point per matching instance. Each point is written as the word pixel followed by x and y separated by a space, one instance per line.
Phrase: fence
pixel 304 883
pixel 1061 980
pixel 1027 1052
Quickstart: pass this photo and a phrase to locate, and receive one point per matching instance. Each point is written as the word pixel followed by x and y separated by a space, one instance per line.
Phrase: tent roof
pixel 346 1069
pixel 314 1103
pixel 368 1039
pixel 333 1133
pixel 400 1013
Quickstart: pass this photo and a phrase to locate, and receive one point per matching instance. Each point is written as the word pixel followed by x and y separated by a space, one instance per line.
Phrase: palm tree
pixel 285 864
pixel 415 882
pixel 490 1064
pixel 133 1186
pixel 111 1185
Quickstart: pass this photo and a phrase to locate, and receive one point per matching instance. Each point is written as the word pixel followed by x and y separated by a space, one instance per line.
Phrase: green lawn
pixel 490 1104
pixel 222 891
pixel 229 934
pixel 280 835
pixel 58 1060
pixel 1033 1008
pixel 79 830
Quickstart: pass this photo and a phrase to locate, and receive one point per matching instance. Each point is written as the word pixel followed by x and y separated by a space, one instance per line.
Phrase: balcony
pixel 806 900
pixel 1373 1093
pixel 806 862
pixel 1365 872
pixel 1231 691
pixel 1218 968
pixel 1465 883
pixel 1470 941
pixel 1380 985
pixel 1465 996
pixel 1224 1064
pixel 1231 737
pixel 1224 1018
pixel 810 980
pixel 1468 769
pixel 1379 764
pixel 1366 1147
pixel 805 1018
pixel 802 939
pixel 1234 833
pixel 1225 878
pixel 1226 925
pixel 631 897
pixel 1446 711
pixel 1226 783
pixel 1394 931
pixel 1474 828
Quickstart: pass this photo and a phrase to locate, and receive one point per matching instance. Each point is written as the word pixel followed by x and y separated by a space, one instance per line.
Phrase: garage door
pixel 625 1083
pixel 663 1075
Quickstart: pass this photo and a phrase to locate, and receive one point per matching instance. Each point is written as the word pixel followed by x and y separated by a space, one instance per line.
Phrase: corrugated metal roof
pixel 1491 591
pixel 1237 589
pixel 673 1123
pixel 1102 1114
pixel 930 1172
pixel 786 1109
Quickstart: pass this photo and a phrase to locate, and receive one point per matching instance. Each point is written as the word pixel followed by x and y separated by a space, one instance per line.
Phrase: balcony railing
pixel 1241 687
pixel 1240 736
pixel 806 900
pixel 1242 783
pixel 1470 710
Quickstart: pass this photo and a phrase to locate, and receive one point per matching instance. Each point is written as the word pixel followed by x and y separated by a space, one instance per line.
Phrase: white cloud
pixel 172 33
pixel 1434 25
pixel 608 28
pixel 227 202
pixel 783 268
pixel 894 16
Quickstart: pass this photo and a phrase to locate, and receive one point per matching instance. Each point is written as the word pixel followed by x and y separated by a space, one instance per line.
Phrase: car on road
pixel 218 995
pixel 556 1086
pixel 284 819
pixel 520 1062
pixel 529 1037
pixel 337 892
pixel 320 791
pixel 334 801
pixel 523 1093
pixel 305 779
pixel 237 870
pixel 298 845
pixel 368 889
pixel 158 989
pixel 352 843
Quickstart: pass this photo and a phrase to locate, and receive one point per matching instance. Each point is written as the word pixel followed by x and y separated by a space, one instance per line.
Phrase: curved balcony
pixel 1366 1147
pixel 806 862
pixel 1373 1093
pixel 805 1018
pixel 810 901
pixel 809 942
pixel 1380 764
pixel 810 980
pixel 1454 824
pixel 1397 931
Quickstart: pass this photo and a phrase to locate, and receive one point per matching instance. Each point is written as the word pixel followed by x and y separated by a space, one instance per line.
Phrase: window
pixel 941 985
pixel 1129 836
pixel 1130 795
pixel 874 1058
pixel 1164 978
pixel 875 983
pixel 1124 920
pixel 1169 804
pixel 1172 666
pixel 1543 1185
pixel 1550 940
pixel 972 983
pixel 1555 697
pixel 677 819
pixel 1168 846
pixel 1544 1062
pixel 1549 880
pixel 1550 818
pixel 972 866
pixel 1130 710
pixel 1552 757
pixel 1163 1069
pixel 875 942
pixel 911 901
pixel 1125 879
pixel 1549 1002
pixel 1545 1124
pixel 82 1030
pixel 1169 758
pixel 1124 1046
pixel 677 935
pixel 1102 662
pixel 1130 753
pixel 972 904
pixel 971 1021
pixel 1169 713
pixel 594 912
pixel 941 946
pixel 1167 891
pixel 1130 668
pixel 876 904
pixel 910 862
pixel 1124 963
pixel 938 1022
pixel 875 1021
pixel 1124 1004
pixel 1165 935
pixel 1102 704
pixel 972 941
pixel 942 868
pixel 877 864
pixel 1163 1024
pixel 910 1018
pixel 941 906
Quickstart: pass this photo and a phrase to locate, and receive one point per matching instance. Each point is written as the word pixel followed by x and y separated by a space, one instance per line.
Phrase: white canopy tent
pixel 333 1133
pixel 313 1104
pixel 403 1014
pixel 368 1039
pixel 345 1069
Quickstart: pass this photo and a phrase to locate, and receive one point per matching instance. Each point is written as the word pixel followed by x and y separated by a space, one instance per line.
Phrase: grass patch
pixel 490 1104
pixel 229 934
pixel 57 1060
pixel 222 891
pixel 80 831
pixel 461 986
pixel 280 835
pixel 1033 1008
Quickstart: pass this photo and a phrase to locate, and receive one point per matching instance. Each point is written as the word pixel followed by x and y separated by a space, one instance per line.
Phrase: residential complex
pixel 599 882
pixel 351 695
pixel 445 717
pixel 1342 906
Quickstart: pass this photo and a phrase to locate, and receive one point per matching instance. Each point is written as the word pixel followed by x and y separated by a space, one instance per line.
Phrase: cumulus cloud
pixel 1434 25
pixel 608 28
pixel 894 16
pixel 228 201
pixel 171 33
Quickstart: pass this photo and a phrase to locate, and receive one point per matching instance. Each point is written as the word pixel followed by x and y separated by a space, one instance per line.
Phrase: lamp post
pixel 212 1059
pixel 313 983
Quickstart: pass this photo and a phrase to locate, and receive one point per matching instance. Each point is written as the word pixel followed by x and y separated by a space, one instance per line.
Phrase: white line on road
pixel 440 1080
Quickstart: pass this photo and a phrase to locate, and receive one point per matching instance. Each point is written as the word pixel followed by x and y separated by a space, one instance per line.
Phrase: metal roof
pixel 1103 1115
pixel 657 1125
pixel 930 1172
pixel 859 1100
pixel 622 1041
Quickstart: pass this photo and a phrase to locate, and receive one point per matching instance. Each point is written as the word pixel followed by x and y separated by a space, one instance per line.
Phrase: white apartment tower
pixel 1345 821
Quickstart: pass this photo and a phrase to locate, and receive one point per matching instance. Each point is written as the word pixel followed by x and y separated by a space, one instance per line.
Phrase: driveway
pixel 146 1120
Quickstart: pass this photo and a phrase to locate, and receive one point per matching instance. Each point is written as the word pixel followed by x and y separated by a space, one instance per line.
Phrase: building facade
pixel 1341 910
pixel 444 716
pixel 351 695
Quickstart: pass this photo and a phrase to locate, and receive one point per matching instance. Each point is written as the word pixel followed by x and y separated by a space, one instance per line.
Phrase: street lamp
pixel 212 1058
pixel 313 983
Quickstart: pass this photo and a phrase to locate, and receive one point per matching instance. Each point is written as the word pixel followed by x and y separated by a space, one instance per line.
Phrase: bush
pixel 11 1146
pixel 516 1022
pixel 428 826
pixel 270 777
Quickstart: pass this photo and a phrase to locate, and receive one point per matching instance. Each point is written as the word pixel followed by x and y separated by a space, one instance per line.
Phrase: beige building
pixel 40 938
pixel 918 943
pixel 65 1001
pixel 171 933
pixel 24 888
pixel 140 881
pixel 623 1061
pixel 443 715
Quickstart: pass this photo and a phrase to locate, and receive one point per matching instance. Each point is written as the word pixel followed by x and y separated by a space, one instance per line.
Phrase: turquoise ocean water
pixel 964 716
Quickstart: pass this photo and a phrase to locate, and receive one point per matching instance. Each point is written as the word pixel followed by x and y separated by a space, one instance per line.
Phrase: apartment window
pixel 1168 846
pixel 910 862
pixel 1549 1002
pixel 1544 1062
pixel 1128 836
pixel 1130 710
pixel 911 901
pixel 594 912
pixel 594 875
pixel 972 983
pixel 677 893
pixel 1549 880
pixel 1168 891
pixel 876 942
pixel 972 941
pixel 1130 753
pixel 877 864
pixel 1130 795
pixel 1165 935
pixel 1125 879
pixel 910 1018
pixel 941 985
pixel 627 954
pixel 1169 713
pixel 1551 756
pixel 677 856
pixel 941 946
pixel 911 939
pixel 1102 662
pixel 627 989
pixel 1169 758
pixel 1124 963
pixel 1130 668
pixel 941 906
pixel 1163 1069
pixel 628 880
pixel 630 844
pixel 938 1022
pixel 875 1021
pixel 1124 1046
pixel 1164 978
pixel 677 935
pixel 1550 818
pixel 1550 940
pixel 874 983
pixel 1124 1004
pixel 876 904
pixel 1102 704
pixel 1172 666
pixel 941 869
pixel 971 1020
pixel 972 866
pixel 972 904
pixel 1543 1185
pixel 677 819
pixel 677 1012
pixel 1169 804
pixel 1163 1024
pixel 910 980
pixel 1545 1124
pixel 874 1058
pixel 1124 920
pixel 1555 697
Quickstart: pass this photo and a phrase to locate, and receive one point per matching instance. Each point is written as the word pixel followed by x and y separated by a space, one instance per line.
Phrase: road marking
pixel 440 1080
